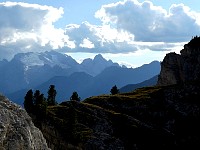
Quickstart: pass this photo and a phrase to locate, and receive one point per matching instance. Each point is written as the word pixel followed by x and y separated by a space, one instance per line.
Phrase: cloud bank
pixel 127 26
pixel 150 23
pixel 29 27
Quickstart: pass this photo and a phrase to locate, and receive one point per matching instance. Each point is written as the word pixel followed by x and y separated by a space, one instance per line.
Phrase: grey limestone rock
pixel 180 68
pixel 17 130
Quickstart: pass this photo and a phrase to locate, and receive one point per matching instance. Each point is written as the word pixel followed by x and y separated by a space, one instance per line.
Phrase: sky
pixel 130 32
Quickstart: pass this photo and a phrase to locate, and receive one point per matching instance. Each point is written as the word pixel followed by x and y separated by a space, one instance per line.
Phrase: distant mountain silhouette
pixel 65 86
pixel 122 76
pixel 96 65
pixel 91 77
pixel 131 87
pixel 28 70
pixel 87 85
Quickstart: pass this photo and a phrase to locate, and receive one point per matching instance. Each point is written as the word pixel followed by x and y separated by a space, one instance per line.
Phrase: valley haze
pixel 96 76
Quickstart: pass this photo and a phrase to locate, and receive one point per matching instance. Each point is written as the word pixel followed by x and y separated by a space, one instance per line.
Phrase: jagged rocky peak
pixel 99 56
pixel 183 67
pixel 17 130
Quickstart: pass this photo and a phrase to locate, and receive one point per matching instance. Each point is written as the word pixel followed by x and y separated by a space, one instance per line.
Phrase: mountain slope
pixel 12 76
pixel 65 86
pixel 131 87
pixel 122 76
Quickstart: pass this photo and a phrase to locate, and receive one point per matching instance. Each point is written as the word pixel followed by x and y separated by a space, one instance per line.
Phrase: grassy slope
pixel 155 117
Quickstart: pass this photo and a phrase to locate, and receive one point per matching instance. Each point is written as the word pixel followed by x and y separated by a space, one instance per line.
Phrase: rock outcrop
pixel 183 67
pixel 17 130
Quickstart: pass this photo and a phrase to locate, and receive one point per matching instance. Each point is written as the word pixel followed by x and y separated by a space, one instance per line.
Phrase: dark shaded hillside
pixel 131 87
pixel 175 109
pixel 148 118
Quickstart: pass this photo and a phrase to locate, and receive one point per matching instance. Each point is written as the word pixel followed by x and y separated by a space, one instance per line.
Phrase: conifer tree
pixel 36 98
pixel 114 90
pixel 51 100
pixel 35 104
pixel 41 107
pixel 28 101
pixel 75 97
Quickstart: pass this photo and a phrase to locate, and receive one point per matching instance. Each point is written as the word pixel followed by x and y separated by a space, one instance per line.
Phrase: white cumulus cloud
pixel 151 23
pixel 98 39
pixel 30 27
pixel 127 27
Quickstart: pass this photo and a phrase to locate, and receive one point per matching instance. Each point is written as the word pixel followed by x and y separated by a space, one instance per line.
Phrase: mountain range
pixel 161 117
pixel 91 77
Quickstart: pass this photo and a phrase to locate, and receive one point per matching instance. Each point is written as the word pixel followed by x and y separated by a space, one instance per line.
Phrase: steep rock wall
pixel 180 68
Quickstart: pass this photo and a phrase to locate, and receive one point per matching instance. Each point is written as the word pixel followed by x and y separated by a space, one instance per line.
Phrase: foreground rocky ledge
pixel 17 130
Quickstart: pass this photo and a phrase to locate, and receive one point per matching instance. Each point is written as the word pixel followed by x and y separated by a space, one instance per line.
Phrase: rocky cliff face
pixel 181 68
pixel 17 130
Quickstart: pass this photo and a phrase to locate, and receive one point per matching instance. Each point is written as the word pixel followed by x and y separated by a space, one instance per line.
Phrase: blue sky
pixel 131 32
